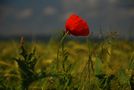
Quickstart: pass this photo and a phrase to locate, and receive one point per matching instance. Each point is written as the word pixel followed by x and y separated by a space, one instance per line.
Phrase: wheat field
pixel 104 65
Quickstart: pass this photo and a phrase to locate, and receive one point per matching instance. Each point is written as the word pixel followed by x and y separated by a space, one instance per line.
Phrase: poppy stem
pixel 64 36
pixel 61 46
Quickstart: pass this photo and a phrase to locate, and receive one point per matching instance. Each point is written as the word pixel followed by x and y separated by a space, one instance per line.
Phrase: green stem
pixel 89 56
pixel 61 46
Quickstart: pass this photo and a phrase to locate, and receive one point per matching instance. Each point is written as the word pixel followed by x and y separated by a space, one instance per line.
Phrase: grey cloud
pixel 24 13
pixel 49 10
pixel 6 11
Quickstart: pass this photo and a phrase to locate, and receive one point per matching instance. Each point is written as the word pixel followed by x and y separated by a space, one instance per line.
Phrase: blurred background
pixel 47 17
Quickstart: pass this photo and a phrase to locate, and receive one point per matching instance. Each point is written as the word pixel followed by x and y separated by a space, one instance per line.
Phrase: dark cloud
pixel 3 2
pixel 47 16
pixel 126 4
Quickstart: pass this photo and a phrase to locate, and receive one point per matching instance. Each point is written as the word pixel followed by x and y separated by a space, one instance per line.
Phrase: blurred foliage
pixel 104 65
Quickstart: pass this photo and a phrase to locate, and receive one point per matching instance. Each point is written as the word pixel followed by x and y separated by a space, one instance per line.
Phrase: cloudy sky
pixel 49 16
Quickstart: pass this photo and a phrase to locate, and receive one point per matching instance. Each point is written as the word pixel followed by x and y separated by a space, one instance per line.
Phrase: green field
pixel 102 65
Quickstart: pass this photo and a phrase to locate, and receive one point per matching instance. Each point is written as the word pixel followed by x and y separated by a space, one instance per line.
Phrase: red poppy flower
pixel 76 26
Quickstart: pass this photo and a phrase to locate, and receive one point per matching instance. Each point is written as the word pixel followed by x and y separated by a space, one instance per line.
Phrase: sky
pixel 48 17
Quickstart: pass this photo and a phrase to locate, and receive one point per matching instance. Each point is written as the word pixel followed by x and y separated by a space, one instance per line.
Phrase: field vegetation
pixel 71 65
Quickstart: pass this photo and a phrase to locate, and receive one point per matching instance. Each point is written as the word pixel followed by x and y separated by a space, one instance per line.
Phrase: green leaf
pixel 122 76
pixel 98 67
pixel 131 62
